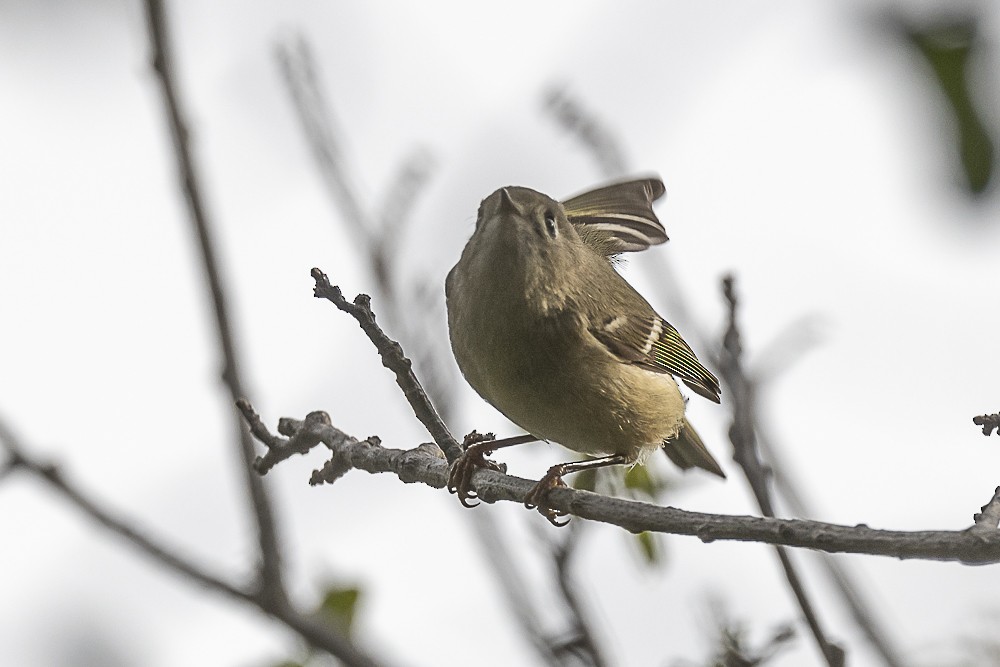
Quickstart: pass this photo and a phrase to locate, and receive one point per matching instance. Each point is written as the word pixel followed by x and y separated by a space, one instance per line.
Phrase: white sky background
pixel 799 151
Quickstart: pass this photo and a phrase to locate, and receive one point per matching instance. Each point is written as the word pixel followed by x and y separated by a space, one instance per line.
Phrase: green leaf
pixel 339 606
pixel 637 478
pixel 649 547
pixel 585 480
pixel 948 49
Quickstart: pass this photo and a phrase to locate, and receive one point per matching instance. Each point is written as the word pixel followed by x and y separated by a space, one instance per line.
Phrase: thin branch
pixel 846 585
pixel 269 568
pixel 395 211
pixel 989 515
pixel 393 359
pixel 988 422
pixel 496 551
pixel 298 69
pixel 582 642
pixel 591 132
pixel 743 436
pixel 379 234
pixel 318 636
pixel 971 547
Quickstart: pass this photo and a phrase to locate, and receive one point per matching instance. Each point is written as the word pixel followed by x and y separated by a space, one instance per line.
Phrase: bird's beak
pixel 507 204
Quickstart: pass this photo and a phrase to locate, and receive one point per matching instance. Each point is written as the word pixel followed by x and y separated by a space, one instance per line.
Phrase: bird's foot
pixel 535 498
pixel 477 447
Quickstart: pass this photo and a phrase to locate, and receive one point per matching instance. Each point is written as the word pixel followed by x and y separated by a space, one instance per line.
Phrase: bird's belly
pixel 581 403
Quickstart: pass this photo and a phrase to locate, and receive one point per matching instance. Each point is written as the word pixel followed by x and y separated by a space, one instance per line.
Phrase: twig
pixel 586 128
pixel 989 423
pixel 420 465
pixel 742 434
pixel 378 234
pixel 393 359
pixel 852 595
pixel 582 642
pixel 496 551
pixel 316 635
pixel 989 515
pixel 299 72
pixel 269 567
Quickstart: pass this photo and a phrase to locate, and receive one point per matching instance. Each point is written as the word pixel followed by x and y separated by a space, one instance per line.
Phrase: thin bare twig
pixel 393 358
pixel 317 635
pixel 269 566
pixel 743 436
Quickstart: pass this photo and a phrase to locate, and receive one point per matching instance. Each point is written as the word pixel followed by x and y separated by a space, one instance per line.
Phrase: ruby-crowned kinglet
pixel 546 330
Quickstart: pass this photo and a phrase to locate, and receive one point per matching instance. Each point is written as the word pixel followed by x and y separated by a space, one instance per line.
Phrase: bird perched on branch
pixel 545 329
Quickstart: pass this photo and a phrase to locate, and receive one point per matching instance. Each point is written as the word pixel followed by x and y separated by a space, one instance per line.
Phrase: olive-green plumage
pixel 547 331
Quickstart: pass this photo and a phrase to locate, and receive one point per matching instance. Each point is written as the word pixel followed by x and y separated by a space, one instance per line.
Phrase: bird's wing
pixel 652 342
pixel 618 217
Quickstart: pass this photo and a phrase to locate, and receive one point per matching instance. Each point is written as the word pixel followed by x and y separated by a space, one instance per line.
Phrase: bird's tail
pixel 688 451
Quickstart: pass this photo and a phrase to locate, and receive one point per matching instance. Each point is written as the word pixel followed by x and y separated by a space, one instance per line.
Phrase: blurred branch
pixel 581 641
pixel 269 568
pixel 396 209
pixel 786 348
pixel 746 454
pixel 734 648
pixel 591 132
pixel 299 71
pixel 315 634
pixel 494 547
pixel 845 583
pixel 989 515
pixel 379 234
pixel 989 423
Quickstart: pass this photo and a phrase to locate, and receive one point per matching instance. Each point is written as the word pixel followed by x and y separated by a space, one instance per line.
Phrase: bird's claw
pixel 476 446
pixel 535 498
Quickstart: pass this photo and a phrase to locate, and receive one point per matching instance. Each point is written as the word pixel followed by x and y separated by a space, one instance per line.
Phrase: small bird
pixel 545 329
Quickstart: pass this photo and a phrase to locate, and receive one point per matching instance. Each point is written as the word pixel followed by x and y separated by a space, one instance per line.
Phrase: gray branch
pixel 742 433
pixel 426 465
pixel 269 568
pixel 314 633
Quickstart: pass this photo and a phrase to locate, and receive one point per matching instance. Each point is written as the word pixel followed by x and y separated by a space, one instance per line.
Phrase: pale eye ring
pixel 550 224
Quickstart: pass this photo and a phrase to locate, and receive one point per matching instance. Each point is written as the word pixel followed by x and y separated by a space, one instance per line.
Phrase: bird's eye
pixel 550 224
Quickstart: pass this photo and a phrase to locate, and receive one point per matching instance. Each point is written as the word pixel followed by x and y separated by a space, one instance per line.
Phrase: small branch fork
pixel 392 358
pixel 426 464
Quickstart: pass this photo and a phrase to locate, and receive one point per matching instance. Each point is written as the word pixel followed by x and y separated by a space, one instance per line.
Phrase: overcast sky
pixel 802 148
